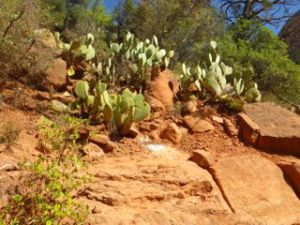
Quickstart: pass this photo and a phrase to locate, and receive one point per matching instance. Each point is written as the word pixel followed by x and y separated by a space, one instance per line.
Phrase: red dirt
pixel 133 185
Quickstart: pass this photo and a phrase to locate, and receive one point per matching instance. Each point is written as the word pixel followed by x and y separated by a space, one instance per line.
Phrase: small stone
pixel 110 147
pixel 189 107
pixel 99 139
pixel 184 131
pixel 230 128
pixel 83 132
pixel 133 132
pixel 172 133
pixel 93 151
pixel 217 119
pixel 9 167
pixel 197 125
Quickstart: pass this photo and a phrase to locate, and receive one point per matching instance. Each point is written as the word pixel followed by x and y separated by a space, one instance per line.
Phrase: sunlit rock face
pixel 291 35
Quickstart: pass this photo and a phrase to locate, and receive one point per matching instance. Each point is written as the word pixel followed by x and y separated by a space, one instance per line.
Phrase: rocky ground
pixel 191 170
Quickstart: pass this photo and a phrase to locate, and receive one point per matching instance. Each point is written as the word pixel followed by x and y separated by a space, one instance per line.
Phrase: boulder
pixel 172 133
pixel 45 37
pixel 55 75
pixel 270 127
pixel 197 125
pixel 161 90
pixel 256 186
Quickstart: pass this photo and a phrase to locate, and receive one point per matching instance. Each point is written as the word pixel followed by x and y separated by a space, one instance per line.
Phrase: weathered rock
pixel 276 129
pixel 99 139
pixel 254 185
pixel 161 90
pixel 104 142
pixel 217 119
pixel 202 158
pixel 172 133
pixel 9 167
pixel 189 107
pixel 249 131
pixel 56 75
pixel 93 151
pixel 230 129
pixel 197 125
pixel 133 132
pixel 292 172
pixel 156 189
pixel 45 37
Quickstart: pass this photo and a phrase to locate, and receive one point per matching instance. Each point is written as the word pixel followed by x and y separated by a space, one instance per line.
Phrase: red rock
pixel 230 129
pixel 161 90
pixel 99 139
pixel 248 129
pixel 172 133
pixel 197 125
pixel 292 172
pixel 104 142
pixel 56 75
pixel 279 129
pixel 93 151
pixel 254 185
pixel 217 119
pixel 202 158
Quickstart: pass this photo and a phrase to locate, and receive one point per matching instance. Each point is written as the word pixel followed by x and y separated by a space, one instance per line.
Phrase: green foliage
pixel 122 110
pixel 45 196
pixel 217 79
pixel 140 56
pixel 18 21
pixel 249 46
pixel 178 25
pixel 78 53
pixel 59 137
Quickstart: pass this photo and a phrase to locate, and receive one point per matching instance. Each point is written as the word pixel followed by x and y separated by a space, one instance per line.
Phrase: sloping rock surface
pixel 256 186
pixel 270 127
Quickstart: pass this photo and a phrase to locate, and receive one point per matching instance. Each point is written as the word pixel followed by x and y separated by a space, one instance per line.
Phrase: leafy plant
pixel 78 53
pixel 122 110
pixel 45 196
pixel 217 80
pixel 140 57
pixel 59 137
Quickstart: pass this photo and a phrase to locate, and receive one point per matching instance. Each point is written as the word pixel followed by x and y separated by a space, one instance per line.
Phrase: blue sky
pixel 109 4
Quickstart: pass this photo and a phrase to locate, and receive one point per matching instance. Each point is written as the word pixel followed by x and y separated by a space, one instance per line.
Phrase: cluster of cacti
pixel 215 79
pixel 142 55
pixel 78 53
pixel 120 109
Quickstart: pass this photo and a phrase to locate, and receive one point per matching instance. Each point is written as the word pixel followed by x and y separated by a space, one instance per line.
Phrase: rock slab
pixel 270 127
pixel 256 186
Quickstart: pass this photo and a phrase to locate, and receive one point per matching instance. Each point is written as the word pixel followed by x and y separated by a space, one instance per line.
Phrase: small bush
pixel 45 196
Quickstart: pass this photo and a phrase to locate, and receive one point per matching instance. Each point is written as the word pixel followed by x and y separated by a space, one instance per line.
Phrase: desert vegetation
pixel 94 76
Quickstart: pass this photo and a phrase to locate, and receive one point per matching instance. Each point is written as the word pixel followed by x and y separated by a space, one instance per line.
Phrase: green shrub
pixel 18 21
pixel 45 196
pixel 253 46
pixel 121 110
pixel 217 81
pixel 59 136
